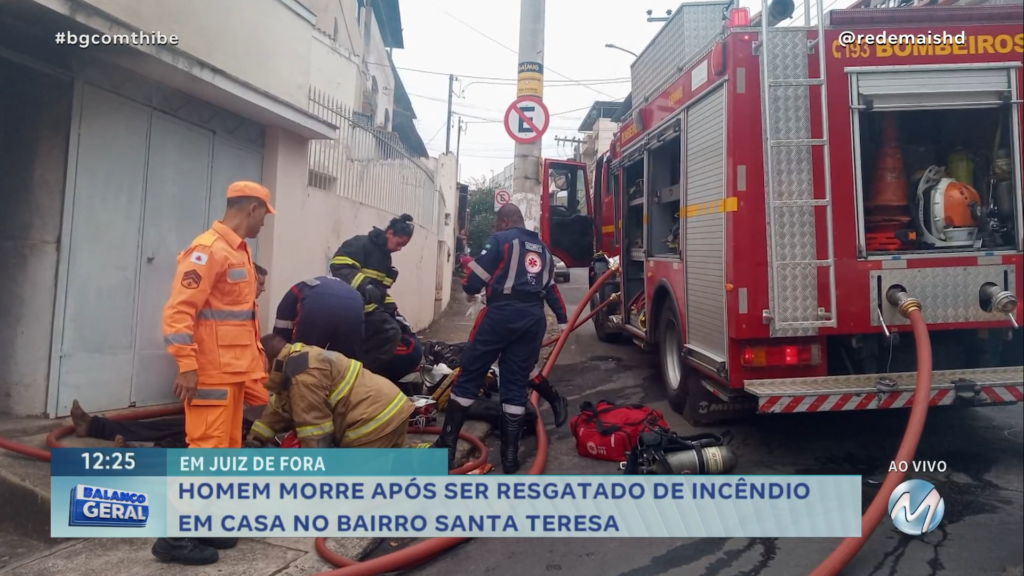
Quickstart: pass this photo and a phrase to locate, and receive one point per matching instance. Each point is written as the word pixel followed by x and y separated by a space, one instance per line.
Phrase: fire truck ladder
pixel 789 183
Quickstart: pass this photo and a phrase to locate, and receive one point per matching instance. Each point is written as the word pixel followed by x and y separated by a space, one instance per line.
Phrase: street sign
pixel 526 120
pixel 501 197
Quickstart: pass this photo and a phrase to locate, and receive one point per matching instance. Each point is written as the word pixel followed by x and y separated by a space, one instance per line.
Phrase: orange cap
pixel 244 189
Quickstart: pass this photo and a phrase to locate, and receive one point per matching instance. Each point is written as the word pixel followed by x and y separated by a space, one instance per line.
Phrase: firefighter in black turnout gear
pixel 518 272
pixel 323 312
pixel 364 262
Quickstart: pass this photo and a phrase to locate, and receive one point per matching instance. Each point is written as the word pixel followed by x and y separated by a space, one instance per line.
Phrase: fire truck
pixel 774 186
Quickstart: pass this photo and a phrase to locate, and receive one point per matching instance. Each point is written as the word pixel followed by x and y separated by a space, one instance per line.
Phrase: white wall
pixel 377 67
pixel 445 175
pixel 334 70
pixel 263 42
pixel 358 38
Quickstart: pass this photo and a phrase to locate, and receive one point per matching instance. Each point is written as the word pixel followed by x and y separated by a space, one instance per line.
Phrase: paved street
pixel 980 533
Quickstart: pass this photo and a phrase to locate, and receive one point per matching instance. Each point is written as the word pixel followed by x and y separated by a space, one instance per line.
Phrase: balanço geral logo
pixel 916 508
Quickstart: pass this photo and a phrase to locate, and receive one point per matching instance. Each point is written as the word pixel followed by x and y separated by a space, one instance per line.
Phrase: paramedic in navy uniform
pixel 517 270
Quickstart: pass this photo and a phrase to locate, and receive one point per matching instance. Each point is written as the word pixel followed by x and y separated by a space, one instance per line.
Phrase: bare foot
pixel 119 441
pixel 80 418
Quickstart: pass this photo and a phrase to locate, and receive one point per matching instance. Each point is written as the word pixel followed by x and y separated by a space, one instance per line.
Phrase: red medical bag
pixel 609 431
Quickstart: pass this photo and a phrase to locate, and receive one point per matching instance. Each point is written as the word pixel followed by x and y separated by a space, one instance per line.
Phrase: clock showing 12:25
pixel 109 461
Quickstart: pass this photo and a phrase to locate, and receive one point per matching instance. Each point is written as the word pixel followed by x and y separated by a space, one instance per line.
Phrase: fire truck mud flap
pixel 977 387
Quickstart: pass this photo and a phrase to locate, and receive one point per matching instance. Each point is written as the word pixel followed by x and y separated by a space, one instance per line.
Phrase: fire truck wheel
pixel 670 351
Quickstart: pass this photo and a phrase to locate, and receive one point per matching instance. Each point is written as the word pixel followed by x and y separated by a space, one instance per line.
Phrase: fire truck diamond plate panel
pixel 791 179
pixel 949 295
pixel 692 26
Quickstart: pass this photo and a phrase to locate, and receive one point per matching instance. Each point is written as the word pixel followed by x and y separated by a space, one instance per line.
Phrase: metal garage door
pixel 143 185
pixel 932 87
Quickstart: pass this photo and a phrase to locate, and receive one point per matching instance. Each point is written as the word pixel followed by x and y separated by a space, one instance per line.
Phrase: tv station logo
pixel 92 506
pixel 916 508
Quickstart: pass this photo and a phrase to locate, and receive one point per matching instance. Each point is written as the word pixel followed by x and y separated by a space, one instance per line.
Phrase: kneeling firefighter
pixel 364 262
pixel 331 400
pixel 517 270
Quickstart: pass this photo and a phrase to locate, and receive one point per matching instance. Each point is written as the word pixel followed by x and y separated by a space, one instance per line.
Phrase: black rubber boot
pixel 559 404
pixel 188 551
pixel 219 543
pixel 511 432
pixel 454 418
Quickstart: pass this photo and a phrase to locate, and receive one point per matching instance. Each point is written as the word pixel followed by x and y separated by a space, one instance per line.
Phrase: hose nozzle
pixel 992 299
pixel 904 303
pixel 996 301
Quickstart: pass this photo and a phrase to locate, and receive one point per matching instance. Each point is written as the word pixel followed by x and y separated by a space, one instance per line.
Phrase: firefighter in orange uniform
pixel 210 328
pixel 330 400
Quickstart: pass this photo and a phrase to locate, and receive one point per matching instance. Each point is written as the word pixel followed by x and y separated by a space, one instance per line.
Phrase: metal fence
pixel 370 166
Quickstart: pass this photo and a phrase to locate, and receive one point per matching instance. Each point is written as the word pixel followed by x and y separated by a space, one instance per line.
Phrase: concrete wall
pixel 335 70
pixel 35 117
pixel 445 175
pixel 326 220
pixel 263 42
pixel 358 38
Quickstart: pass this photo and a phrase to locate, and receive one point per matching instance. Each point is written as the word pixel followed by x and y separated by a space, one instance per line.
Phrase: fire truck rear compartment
pixel 967 201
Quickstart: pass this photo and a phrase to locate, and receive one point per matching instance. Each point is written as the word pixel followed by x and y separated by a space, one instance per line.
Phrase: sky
pixel 465 38
pixel 478 42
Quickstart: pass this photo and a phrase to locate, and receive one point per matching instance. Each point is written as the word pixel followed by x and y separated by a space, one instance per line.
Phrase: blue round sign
pixel 916 507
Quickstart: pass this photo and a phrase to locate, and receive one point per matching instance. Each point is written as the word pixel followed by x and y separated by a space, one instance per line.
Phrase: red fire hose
pixel 401 559
pixel 849 547
pixel 423 551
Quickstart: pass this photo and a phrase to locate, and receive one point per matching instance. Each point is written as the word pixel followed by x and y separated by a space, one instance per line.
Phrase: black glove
pixel 393 275
pixel 373 296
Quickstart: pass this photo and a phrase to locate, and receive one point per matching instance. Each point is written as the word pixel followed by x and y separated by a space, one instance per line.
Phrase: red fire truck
pixel 770 190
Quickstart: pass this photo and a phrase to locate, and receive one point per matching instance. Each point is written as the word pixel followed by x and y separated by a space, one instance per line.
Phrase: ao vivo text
pixel 915 466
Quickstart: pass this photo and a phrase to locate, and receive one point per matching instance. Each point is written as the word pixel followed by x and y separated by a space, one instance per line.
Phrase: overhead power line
pixel 552 70
pixel 503 80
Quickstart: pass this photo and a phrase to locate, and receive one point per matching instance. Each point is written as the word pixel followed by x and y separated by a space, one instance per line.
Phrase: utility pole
pixel 526 168
pixel 448 128
pixel 576 142
pixel 458 146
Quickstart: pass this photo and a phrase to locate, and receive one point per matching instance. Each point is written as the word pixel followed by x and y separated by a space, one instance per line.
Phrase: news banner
pixel 154 492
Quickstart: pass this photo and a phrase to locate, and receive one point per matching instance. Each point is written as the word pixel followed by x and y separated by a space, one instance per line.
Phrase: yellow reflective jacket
pixel 330 400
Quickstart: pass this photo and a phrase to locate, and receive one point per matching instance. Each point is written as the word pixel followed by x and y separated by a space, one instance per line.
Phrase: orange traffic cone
pixel 886 207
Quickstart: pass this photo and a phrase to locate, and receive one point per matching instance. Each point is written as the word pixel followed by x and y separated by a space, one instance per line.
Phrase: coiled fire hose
pixel 407 557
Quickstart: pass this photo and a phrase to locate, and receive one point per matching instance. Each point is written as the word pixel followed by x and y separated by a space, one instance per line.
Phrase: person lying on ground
pixel 167 432
pixel 329 399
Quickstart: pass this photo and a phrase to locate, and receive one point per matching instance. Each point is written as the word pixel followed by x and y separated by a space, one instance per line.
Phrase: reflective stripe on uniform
pixel 237 274
pixel 261 429
pixel 345 261
pixel 387 281
pixel 351 373
pixel 379 276
pixel 226 315
pixel 389 300
pixel 211 394
pixel 369 308
pixel 180 338
pixel 315 430
pixel 311 282
pixel 391 410
pixel 284 324
pixel 547 269
pixel 479 271
pixel 357 280
pixel 513 267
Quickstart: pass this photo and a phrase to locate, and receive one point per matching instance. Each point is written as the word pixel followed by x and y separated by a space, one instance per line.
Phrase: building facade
pixel 113 158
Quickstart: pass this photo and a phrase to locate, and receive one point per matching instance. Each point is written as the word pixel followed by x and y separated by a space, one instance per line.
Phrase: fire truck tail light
pixel 764 356
pixel 739 17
